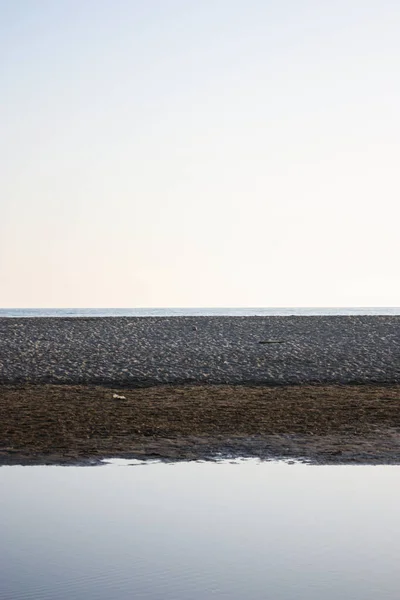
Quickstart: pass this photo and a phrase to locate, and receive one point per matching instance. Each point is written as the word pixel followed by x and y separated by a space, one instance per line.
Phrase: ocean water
pixel 196 531
pixel 194 312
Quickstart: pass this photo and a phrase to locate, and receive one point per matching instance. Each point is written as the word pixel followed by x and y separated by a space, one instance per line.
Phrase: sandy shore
pixel 62 424
pixel 199 388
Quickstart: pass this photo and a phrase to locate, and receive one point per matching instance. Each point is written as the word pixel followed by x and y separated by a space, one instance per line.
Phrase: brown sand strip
pixel 70 424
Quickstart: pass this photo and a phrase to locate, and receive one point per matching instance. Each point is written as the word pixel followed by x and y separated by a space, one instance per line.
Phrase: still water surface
pixel 194 531
pixel 192 312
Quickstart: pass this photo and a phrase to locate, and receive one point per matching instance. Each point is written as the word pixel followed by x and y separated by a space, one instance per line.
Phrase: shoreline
pixel 324 389
pixel 147 351
pixel 82 424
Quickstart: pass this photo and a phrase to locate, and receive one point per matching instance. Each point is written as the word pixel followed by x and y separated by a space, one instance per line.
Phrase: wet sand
pixel 324 389
pixel 61 424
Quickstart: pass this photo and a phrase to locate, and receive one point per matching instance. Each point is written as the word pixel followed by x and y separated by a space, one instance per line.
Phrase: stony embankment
pixel 141 351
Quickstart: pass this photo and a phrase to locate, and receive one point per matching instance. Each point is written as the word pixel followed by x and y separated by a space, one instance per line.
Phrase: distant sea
pixel 192 312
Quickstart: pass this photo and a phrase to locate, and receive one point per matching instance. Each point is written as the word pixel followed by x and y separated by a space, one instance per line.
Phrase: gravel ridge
pixel 140 351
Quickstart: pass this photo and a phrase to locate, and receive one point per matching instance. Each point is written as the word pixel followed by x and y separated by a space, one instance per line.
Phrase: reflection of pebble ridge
pixel 132 351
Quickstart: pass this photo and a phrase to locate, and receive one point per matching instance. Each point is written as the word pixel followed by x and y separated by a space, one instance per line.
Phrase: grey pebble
pixel 135 351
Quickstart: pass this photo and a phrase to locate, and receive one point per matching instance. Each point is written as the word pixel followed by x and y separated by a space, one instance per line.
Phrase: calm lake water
pixel 194 312
pixel 194 531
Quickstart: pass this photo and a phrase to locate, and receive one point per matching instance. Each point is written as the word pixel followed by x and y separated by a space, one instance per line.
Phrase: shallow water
pixel 193 312
pixel 193 531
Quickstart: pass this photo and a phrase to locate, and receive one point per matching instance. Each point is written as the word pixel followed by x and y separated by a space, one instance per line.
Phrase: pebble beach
pixel 140 351
pixel 320 389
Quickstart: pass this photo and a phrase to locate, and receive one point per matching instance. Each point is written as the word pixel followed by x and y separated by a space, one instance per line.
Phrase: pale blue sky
pixel 199 153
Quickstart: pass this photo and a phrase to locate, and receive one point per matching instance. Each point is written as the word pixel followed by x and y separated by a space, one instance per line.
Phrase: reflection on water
pixel 195 531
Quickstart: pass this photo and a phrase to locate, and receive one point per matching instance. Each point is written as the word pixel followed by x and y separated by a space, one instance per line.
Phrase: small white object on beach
pixel 117 397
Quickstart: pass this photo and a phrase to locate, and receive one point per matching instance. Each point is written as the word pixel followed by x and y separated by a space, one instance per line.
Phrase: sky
pixel 186 153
